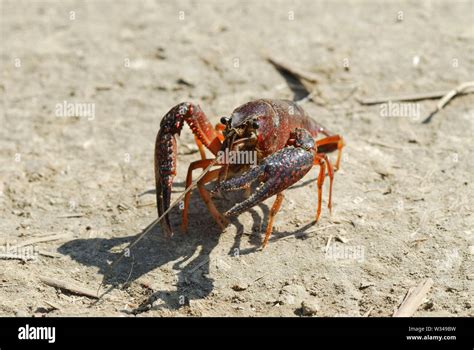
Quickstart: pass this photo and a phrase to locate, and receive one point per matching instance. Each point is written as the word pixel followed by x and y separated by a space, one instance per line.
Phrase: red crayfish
pixel 279 132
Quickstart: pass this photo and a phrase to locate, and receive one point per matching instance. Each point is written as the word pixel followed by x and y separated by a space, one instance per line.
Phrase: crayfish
pixel 279 132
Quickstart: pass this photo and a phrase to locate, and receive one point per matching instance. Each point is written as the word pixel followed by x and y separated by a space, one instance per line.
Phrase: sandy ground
pixel 402 198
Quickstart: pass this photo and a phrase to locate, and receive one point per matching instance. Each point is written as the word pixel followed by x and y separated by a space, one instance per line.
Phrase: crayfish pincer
pixel 284 143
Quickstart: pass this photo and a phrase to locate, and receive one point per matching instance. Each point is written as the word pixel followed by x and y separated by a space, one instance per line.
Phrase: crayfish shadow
pixel 256 234
pixel 187 254
pixel 299 234
pixel 295 85
pixel 259 221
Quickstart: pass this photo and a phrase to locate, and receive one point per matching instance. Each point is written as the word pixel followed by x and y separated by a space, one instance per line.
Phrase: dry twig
pixel 15 256
pixel 41 240
pixel 446 96
pixel 402 98
pixel 413 299
pixel 49 254
pixel 70 287
pixel 328 244
pixel 460 89
pixel 70 216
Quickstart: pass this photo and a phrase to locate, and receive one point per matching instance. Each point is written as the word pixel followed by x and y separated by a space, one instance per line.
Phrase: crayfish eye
pixel 255 124
pixel 224 120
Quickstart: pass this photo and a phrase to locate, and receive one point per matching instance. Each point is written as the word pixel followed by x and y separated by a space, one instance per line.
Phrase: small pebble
pixel 309 308
pixel 240 287
pixel 21 313
pixel 364 285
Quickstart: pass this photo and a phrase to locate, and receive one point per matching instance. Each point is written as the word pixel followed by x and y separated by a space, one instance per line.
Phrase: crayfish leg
pixel 203 163
pixel 330 144
pixel 220 219
pixel 319 160
pixel 275 208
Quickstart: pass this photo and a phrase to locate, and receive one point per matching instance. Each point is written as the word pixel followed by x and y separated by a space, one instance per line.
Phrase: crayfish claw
pixel 165 160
